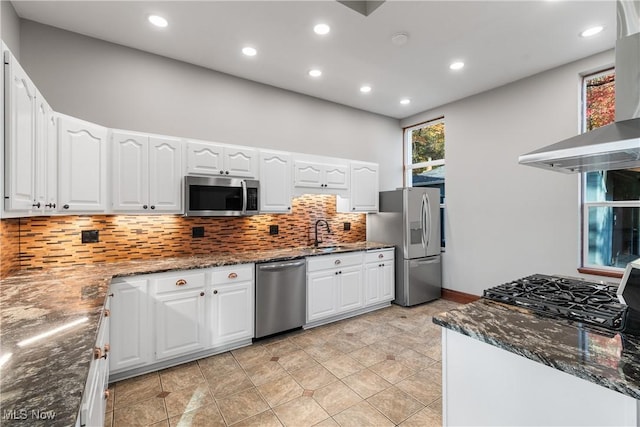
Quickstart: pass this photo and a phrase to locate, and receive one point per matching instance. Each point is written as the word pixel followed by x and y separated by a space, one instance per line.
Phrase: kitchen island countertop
pixel 47 378
pixel 609 359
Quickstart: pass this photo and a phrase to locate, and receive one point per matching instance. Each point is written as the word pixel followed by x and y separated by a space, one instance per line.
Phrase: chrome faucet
pixel 316 241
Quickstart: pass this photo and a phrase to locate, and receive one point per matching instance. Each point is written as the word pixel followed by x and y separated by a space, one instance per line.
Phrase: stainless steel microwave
pixel 220 196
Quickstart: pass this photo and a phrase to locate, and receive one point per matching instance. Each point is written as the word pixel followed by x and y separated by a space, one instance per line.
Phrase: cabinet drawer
pixel 179 281
pixel 323 262
pixel 232 274
pixel 377 256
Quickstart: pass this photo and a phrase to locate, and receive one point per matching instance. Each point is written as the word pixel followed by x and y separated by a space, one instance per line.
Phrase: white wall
pixel 125 88
pixel 504 220
pixel 10 27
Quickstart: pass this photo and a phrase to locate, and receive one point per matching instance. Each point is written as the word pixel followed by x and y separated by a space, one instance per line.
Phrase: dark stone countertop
pixel 50 374
pixel 609 359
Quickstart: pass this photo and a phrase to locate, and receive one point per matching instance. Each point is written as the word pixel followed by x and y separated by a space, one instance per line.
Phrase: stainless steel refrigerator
pixel 409 218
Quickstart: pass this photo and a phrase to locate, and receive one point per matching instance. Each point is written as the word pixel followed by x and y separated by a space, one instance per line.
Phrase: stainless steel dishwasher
pixel 280 296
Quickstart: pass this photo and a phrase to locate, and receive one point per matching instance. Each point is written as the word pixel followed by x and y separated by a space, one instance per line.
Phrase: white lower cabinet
pixel 166 318
pixel 131 343
pixel 334 285
pixel 94 397
pixel 179 314
pixel 230 306
pixel 379 276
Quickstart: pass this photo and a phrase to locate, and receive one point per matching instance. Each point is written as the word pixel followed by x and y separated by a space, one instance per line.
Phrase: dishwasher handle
pixel 281 266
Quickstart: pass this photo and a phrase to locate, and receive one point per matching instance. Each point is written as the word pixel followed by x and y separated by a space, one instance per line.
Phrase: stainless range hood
pixel 615 146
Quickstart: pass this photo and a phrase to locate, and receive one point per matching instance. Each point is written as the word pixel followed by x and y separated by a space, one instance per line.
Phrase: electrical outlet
pixel 347 226
pixel 197 232
pixel 273 230
pixel 90 236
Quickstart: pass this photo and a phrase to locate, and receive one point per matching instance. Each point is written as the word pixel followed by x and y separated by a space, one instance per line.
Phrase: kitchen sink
pixel 324 249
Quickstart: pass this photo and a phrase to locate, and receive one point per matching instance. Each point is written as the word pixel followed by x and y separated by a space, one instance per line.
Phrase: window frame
pixel 409 166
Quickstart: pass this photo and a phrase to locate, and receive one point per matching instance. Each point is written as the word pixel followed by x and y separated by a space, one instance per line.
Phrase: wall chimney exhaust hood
pixel 615 146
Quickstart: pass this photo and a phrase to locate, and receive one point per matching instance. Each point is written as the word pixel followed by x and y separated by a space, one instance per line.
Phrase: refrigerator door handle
pixel 426 218
pixel 422 223
pixel 431 260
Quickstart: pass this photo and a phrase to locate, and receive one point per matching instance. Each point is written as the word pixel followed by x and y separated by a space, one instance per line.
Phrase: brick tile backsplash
pixel 41 242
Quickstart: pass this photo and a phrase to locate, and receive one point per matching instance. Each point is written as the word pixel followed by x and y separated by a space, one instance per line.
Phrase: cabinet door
pixel 51 164
pixel 179 323
pixel 321 295
pixel 45 150
pixel 364 187
pixel 232 311
pixel 388 283
pixel 275 182
pixel 336 176
pixel 165 175
pixel 130 177
pixel 240 162
pixel 372 283
pixel 82 164
pixel 349 288
pixel 130 328
pixel 94 402
pixel 306 174
pixel 20 145
pixel 204 159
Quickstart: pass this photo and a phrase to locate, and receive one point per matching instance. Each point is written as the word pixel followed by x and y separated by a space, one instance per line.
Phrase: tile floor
pixel 377 369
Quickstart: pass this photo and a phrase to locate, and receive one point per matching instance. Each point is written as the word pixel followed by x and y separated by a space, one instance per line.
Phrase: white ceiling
pixel 500 42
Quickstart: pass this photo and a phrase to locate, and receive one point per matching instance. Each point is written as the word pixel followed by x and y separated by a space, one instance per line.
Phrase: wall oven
pixel 220 196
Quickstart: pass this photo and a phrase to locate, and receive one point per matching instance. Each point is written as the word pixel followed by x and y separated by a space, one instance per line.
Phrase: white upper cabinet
pixel 310 176
pixel 206 158
pixel 82 166
pixel 275 182
pixel 20 139
pixel 165 174
pixel 147 174
pixel 364 189
pixel 130 179
pixel 47 158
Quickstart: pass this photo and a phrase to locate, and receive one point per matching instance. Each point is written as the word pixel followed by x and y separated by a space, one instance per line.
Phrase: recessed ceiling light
pixel 458 65
pixel 365 89
pixel 322 29
pixel 591 31
pixel 249 51
pixel 315 73
pixel 158 21
pixel 405 101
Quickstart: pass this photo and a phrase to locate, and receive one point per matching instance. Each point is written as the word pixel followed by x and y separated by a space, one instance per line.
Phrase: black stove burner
pixel 581 301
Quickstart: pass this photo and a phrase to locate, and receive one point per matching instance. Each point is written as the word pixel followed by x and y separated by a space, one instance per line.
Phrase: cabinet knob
pixel 353 209
pixel 201 294
pixel 65 207
pixel 36 205
pixel 232 275
pixel 153 206
pixel 107 313
pixel 337 262
pixel 288 208
pixel 221 172
pixel 50 205
pixel 226 172
pixel 380 256
pixel 181 282
pixel 144 206
pixel 215 292
pixel 110 295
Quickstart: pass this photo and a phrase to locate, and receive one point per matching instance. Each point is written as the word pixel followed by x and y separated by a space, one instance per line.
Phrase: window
pixel 424 161
pixel 611 199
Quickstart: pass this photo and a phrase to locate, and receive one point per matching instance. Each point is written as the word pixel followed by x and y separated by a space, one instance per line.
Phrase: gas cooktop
pixel 585 302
